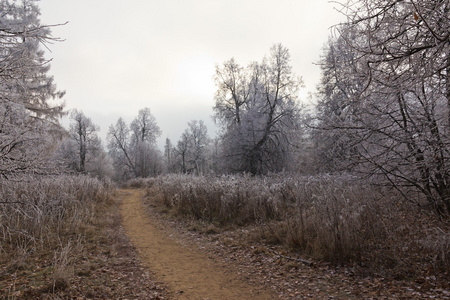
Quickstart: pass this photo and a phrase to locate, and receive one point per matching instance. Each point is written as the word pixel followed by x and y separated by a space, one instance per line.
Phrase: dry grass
pixel 337 219
pixel 61 238
pixel 45 220
pixel 139 183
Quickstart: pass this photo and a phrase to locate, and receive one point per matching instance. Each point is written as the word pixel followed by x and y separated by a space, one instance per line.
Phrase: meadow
pixel 337 219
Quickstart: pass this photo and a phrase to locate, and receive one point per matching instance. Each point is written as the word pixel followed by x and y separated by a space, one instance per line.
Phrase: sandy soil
pixel 188 272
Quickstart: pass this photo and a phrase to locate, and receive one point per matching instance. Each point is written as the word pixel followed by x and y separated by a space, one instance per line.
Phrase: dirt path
pixel 186 271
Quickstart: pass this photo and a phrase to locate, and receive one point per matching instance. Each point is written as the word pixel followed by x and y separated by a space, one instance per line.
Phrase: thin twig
pixel 306 262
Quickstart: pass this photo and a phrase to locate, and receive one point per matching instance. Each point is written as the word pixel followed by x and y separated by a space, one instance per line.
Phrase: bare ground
pixel 102 265
pixel 186 271
pixel 203 262
pixel 105 265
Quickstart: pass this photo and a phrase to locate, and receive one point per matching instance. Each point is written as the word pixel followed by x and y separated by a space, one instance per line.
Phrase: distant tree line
pixel 382 113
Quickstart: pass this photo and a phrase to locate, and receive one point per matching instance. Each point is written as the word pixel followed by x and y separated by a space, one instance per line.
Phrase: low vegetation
pixel 46 220
pixel 60 237
pixel 382 114
pixel 336 219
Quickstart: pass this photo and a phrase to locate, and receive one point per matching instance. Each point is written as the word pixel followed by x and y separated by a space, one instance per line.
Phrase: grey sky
pixel 121 56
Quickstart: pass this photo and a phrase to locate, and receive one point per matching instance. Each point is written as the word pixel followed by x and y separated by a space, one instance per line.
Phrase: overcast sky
pixel 120 56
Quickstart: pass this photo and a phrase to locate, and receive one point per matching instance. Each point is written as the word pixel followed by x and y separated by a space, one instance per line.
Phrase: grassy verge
pixel 335 219
pixel 61 238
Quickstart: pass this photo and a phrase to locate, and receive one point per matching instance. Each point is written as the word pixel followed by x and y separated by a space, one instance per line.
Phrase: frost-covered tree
pixel 259 112
pixel 191 153
pixel 182 152
pixel 82 150
pixel 29 117
pixel 399 114
pixel 84 133
pixel 25 143
pixel 24 69
pixel 233 84
pixel 170 156
pixel 144 132
pixel 144 127
pixel 133 148
pixel 199 145
pixel 339 84
pixel 119 149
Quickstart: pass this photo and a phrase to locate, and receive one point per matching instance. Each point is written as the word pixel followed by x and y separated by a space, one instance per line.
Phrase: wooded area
pixel 381 125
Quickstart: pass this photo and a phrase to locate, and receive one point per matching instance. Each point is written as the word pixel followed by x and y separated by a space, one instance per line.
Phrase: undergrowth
pixel 334 218
pixel 44 223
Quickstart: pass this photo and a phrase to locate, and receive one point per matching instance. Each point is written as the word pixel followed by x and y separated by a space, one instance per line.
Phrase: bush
pixel 224 200
pixel 335 218
pixel 139 182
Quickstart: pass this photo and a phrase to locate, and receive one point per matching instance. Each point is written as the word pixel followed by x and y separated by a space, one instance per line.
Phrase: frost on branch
pixel 384 108
pixel 29 117
pixel 259 112
pixel 22 146
pixel 133 148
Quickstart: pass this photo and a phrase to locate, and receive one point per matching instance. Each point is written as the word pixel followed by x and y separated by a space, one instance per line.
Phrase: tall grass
pixel 45 217
pixel 335 218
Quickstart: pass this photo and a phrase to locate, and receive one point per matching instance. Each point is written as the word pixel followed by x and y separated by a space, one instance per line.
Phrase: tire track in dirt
pixel 188 273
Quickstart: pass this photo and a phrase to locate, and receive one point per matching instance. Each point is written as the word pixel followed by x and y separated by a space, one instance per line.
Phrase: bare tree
pixel 133 148
pixel 399 116
pixel 339 86
pixel 84 133
pixel 144 131
pixel 259 112
pixel 82 150
pixel 199 142
pixel 182 152
pixel 118 146
pixel 170 156
pixel 192 148
pixel 233 92
pixel 144 127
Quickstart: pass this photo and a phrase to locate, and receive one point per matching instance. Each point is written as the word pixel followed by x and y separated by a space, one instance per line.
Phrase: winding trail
pixel 187 272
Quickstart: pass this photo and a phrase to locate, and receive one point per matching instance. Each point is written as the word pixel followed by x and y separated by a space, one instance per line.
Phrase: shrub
pixel 336 218
pixel 139 182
